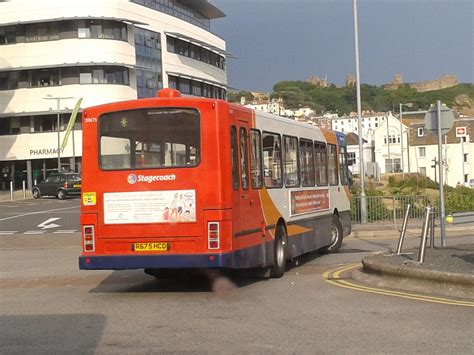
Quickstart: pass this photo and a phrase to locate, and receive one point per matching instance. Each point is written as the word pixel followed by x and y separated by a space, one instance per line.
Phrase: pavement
pixel 445 271
pixel 5 195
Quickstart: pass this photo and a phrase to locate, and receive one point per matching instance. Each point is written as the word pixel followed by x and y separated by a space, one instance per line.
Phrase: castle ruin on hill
pixel 444 82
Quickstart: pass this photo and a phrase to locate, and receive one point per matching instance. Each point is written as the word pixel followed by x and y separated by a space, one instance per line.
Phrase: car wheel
pixel 61 194
pixel 279 254
pixel 36 193
pixel 336 236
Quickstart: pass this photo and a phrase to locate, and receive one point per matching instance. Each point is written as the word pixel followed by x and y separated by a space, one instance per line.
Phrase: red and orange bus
pixel 182 182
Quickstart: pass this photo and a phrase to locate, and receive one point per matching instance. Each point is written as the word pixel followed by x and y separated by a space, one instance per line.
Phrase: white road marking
pixel 33 232
pixel 7 232
pixel 39 212
pixel 70 231
pixel 45 225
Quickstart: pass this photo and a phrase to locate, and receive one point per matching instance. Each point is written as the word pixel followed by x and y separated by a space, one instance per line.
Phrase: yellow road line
pixel 333 277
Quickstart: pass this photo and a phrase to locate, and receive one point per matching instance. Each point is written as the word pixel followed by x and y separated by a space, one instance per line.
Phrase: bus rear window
pixel 149 138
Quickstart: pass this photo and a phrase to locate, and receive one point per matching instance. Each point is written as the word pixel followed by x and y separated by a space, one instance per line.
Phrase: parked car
pixel 60 185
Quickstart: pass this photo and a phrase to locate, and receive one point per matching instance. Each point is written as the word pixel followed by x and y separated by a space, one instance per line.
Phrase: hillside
pixel 342 100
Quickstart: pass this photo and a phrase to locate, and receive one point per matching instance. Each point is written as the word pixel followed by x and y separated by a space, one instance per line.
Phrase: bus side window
pixel 256 159
pixel 320 164
pixel 234 157
pixel 272 169
pixel 290 157
pixel 324 164
pixel 244 164
pixel 307 162
pixel 332 164
pixel 343 166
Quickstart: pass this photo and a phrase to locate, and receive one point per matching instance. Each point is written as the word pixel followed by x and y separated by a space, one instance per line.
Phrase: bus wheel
pixel 61 194
pixel 336 236
pixel 279 254
pixel 36 193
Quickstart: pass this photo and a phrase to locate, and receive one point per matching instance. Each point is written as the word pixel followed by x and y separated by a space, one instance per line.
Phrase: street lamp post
pixel 363 202
pixel 409 104
pixel 58 115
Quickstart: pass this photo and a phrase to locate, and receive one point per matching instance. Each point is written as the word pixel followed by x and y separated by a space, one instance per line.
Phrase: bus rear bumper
pixel 123 262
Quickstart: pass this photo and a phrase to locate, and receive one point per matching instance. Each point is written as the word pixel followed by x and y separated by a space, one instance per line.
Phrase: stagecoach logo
pixel 132 178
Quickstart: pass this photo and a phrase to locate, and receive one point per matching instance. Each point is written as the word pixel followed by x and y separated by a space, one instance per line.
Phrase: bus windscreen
pixel 149 138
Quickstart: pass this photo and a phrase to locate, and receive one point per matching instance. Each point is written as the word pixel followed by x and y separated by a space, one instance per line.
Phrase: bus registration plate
pixel 152 246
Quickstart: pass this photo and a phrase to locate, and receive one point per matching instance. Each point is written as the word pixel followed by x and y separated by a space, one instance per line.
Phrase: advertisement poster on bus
pixel 309 201
pixel 150 207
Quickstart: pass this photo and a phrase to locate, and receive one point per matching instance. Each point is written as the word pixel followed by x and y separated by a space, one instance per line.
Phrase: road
pixel 49 306
pixel 45 215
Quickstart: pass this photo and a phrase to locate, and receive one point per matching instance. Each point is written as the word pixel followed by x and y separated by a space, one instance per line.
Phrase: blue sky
pixel 277 40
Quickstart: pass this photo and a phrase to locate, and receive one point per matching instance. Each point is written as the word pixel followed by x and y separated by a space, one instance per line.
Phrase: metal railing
pixel 391 209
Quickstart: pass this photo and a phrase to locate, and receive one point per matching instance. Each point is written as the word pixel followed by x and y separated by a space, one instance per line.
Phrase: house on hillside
pixel 390 139
pixel 458 152
pixel 353 161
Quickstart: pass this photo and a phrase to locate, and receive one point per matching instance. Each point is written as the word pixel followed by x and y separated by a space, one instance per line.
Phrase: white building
pixel 353 156
pixel 369 124
pixel 274 107
pixel 54 52
pixel 458 153
pixel 388 144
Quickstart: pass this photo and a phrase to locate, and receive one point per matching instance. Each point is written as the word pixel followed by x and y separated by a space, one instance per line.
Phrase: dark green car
pixel 59 185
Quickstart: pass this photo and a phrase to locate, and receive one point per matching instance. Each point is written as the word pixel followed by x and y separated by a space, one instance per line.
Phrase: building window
pixel 35 124
pixel 351 158
pixel 196 88
pixel 177 9
pixel 466 178
pixel 64 76
pixel 49 31
pixel 420 132
pixel 423 171
pixel 187 49
pixel 148 56
pixel 422 152
pixel 465 158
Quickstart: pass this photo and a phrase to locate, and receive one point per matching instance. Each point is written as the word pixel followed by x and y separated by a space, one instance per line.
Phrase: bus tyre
pixel 61 194
pixel 336 236
pixel 279 254
pixel 36 193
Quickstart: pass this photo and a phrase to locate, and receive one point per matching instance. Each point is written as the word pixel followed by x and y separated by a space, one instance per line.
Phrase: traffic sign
pixel 461 132
pixel 431 119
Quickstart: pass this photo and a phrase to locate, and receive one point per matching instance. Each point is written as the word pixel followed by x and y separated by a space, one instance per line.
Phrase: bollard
pixel 24 189
pixel 424 235
pixel 432 230
pixel 404 228
pixel 11 190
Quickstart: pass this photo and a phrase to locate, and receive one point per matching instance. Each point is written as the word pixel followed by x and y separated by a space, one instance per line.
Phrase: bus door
pixel 245 209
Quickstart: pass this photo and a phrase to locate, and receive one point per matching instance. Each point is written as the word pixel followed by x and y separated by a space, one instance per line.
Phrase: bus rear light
pixel 213 235
pixel 89 238
pixel 65 185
